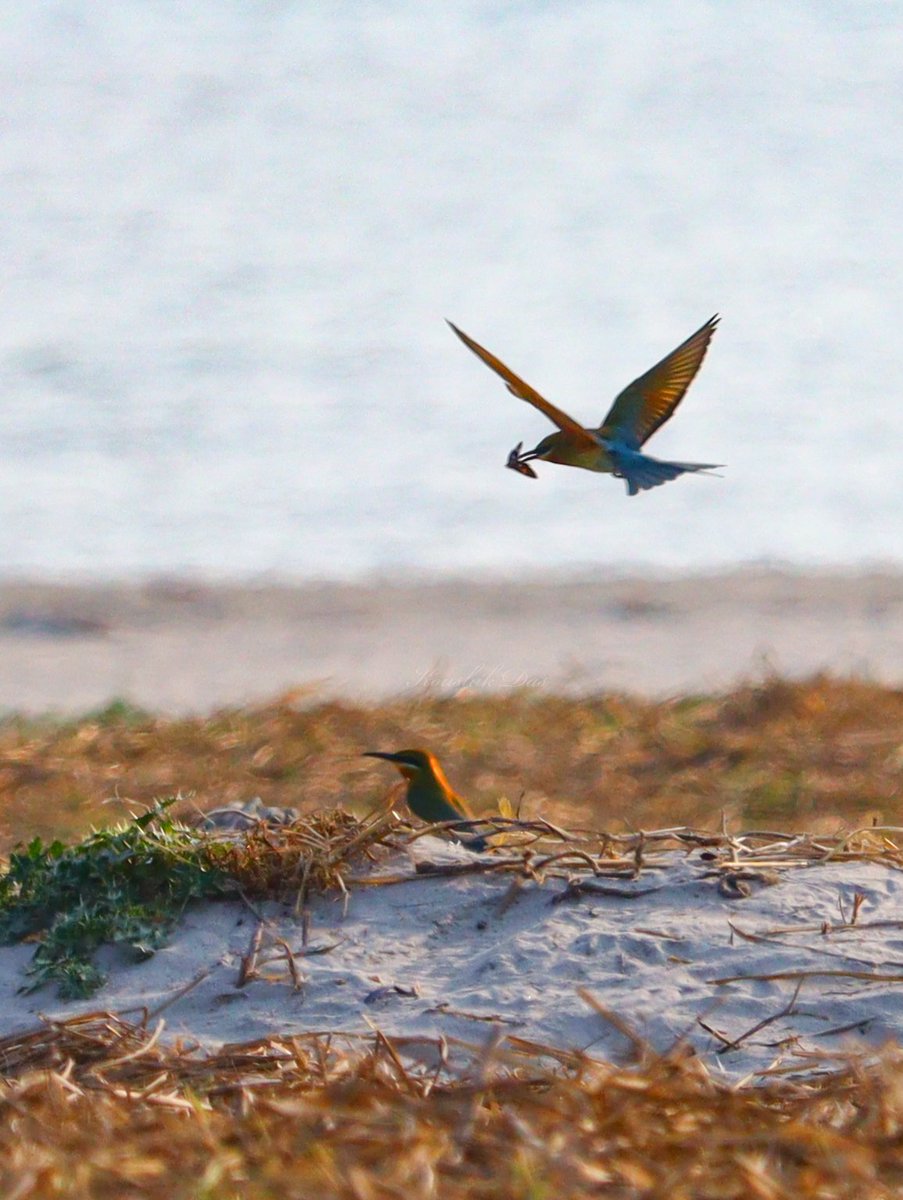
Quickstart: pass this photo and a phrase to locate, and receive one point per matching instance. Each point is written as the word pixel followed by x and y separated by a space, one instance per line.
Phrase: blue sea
pixel 231 233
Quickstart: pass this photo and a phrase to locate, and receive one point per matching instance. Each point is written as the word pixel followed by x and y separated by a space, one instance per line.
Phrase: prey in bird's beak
pixel 517 462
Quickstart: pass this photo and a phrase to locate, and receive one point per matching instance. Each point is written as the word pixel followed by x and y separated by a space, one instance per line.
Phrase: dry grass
pixel 96 1107
pixel 332 851
pixel 809 755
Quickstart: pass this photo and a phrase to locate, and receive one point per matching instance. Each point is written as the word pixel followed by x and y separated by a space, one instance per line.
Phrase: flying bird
pixel 430 796
pixel 614 447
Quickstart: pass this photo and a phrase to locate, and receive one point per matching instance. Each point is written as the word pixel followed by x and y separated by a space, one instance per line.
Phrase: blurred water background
pixel 231 232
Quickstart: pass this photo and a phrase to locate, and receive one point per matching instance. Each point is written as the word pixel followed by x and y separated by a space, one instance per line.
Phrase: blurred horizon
pixel 232 236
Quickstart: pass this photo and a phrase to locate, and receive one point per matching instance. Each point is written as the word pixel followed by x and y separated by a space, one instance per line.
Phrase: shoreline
pixel 180 646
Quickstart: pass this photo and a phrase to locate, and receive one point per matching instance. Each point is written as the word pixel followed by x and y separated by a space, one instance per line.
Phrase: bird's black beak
pixel 518 462
pixel 379 754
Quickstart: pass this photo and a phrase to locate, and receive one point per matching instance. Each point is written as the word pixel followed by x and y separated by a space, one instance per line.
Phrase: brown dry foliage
pixel 813 754
pixel 99 1108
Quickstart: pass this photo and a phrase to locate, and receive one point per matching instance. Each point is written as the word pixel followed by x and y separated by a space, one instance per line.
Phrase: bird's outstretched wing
pixel 523 391
pixel 649 401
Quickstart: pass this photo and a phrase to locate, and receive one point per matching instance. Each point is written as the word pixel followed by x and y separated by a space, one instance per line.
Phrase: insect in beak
pixel 516 463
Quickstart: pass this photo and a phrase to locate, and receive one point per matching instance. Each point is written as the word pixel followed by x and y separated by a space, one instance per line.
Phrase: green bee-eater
pixel 430 796
pixel 614 447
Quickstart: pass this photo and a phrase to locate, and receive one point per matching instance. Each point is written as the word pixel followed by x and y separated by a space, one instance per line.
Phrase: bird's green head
pixel 413 764
pixel 550 448
pixel 550 443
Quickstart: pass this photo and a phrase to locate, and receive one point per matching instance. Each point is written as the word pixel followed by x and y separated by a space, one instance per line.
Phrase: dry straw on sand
pixel 103 1107
pixel 98 1107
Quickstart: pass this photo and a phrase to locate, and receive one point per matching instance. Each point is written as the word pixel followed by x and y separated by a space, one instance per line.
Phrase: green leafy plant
pixel 126 885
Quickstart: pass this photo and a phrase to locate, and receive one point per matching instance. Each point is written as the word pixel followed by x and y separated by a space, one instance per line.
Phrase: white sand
pixel 189 647
pixel 447 956
pixel 462 956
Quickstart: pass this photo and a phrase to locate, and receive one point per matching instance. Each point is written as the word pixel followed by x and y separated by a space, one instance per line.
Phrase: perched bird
pixel 430 796
pixel 637 412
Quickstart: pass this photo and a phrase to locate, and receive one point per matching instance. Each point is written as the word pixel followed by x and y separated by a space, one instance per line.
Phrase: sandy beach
pixel 183 647
pixel 464 957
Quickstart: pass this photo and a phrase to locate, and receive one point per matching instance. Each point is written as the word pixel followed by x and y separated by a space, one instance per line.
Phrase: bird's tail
pixel 463 833
pixel 641 472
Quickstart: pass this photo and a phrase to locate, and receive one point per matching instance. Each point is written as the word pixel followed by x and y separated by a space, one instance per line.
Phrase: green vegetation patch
pixel 126 885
